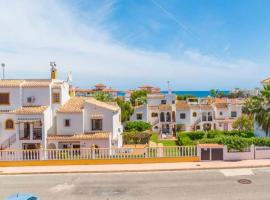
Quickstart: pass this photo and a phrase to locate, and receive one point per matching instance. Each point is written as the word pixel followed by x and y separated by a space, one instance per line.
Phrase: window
pixel 9 124
pixel 96 124
pixel 182 115
pixel 173 101
pixel 139 116
pixel 194 114
pixel 162 117
pixel 233 114
pixel 67 122
pixel 168 117
pixel 220 113
pixel 163 101
pixel 4 99
pixel 154 115
pixel 56 97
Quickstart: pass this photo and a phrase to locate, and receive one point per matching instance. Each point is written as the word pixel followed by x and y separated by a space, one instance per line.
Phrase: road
pixel 190 185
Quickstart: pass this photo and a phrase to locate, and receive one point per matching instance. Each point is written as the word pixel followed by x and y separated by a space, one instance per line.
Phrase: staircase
pixel 8 142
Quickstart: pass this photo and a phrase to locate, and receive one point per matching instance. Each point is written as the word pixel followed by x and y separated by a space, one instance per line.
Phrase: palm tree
pixel 260 107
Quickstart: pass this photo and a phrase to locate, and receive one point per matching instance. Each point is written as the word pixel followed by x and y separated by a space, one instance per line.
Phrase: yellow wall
pixel 96 162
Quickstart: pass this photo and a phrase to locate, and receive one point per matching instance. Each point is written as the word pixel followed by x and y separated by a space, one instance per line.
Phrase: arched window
pixel 162 117
pixel 9 124
pixel 194 114
pixel 168 117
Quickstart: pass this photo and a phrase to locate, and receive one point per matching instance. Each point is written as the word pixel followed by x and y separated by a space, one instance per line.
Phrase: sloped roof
pixel 221 105
pixel 10 83
pixel 81 136
pixel 107 105
pixel 182 105
pixel 30 110
pixel 165 107
pixel 73 105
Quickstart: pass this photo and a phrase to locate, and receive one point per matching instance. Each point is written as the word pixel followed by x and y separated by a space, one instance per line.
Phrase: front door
pixel 217 154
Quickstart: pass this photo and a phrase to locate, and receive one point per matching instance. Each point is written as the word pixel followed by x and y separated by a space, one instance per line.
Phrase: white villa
pixel 37 113
pixel 168 115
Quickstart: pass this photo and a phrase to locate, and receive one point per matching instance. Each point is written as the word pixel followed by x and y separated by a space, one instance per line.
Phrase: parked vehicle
pixel 21 196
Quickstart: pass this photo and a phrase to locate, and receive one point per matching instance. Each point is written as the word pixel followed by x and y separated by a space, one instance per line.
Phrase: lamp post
pixel 3 68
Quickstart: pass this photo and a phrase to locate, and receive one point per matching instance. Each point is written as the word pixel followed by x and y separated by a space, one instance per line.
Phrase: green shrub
pixel 232 142
pixel 196 135
pixel 261 141
pixel 214 134
pixel 184 139
pixel 137 126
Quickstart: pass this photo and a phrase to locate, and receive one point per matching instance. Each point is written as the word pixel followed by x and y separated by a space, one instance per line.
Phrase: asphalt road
pixel 207 184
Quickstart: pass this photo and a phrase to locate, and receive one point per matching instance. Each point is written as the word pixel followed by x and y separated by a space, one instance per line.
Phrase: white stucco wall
pixel 41 94
pixel 14 98
pixel 76 123
pixel 143 110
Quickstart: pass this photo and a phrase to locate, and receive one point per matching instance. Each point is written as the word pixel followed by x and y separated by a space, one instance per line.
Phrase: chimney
pixel 53 70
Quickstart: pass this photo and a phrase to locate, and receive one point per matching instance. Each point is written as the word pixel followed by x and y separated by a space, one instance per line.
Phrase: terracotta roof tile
pixel 30 110
pixel 106 105
pixel 10 83
pixel 73 105
pixel 164 107
pixel 37 83
pixel 182 105
pixel 221 105
pixel 82 136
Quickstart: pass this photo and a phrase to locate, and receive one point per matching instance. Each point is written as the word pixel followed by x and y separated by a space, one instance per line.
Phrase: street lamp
pixel 3 67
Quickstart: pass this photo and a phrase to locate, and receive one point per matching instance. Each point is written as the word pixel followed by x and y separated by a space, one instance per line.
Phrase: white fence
pixel 100 153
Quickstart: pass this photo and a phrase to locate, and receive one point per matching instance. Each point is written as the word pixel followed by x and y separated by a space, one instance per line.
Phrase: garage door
pixel 205 154
pixel 217 154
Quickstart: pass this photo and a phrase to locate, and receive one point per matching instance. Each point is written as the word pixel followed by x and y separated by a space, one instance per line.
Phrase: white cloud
pixel 36 32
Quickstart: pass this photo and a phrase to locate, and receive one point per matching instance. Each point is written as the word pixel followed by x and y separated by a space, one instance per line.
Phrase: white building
pixel 31 115
pixel 168 115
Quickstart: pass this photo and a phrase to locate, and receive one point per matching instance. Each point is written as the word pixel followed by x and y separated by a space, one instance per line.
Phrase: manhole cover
pixel 244 181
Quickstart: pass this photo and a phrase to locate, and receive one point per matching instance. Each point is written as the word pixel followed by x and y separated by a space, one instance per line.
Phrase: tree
pixel 137 126
pixel 185 97
pixel 260 107
pixel 244 123
pixel 103 96
pixel 138 97
pixel 213 93
pixel 126 109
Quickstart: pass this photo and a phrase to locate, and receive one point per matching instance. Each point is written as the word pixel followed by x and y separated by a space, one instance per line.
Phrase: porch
pixel 30 129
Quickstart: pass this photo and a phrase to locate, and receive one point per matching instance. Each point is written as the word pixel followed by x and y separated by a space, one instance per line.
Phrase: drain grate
pixel 244 181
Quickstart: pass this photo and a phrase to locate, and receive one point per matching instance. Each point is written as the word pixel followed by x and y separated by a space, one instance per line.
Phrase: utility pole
pixel 3 68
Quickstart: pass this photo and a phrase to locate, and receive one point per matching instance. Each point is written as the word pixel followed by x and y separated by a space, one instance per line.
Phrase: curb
pixel 134 171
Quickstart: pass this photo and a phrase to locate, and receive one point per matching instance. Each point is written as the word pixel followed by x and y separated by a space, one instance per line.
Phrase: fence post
pixel 146 152
pixel 93 153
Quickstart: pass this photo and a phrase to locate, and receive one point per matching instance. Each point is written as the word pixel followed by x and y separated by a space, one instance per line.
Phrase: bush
pixel 184 139
pixel 196 135
pixel 214 134
pixel 232 142
pixel 137 126
pixel 136 137
pixel 261 142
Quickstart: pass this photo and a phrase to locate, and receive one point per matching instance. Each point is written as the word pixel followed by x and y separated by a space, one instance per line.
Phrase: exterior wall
pixel 117 129
pixel 262 153
pixel 238 155
pixel 76 123
pixel 187 121
pixel 143 110
pixel 41 94
pixel 5 134
pixel 14 98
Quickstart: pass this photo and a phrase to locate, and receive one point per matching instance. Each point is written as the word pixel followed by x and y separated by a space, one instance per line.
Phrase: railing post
pixel 93 153
pixel 146 152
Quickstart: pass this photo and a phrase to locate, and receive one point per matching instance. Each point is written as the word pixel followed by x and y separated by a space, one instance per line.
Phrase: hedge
pixel 135 137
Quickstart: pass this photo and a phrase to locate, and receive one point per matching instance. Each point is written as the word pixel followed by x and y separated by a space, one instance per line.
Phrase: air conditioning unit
pixel 31 99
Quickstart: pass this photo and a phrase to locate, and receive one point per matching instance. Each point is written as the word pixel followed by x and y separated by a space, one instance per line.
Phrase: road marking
pixel 237 172
pixel 62 187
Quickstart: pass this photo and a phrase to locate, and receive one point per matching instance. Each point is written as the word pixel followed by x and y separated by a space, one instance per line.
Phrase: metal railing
pixel 8 142
pixel 98 153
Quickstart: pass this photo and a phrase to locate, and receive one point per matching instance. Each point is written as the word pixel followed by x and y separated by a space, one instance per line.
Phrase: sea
pixel 199 94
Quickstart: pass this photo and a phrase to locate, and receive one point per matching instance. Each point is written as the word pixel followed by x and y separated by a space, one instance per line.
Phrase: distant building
pixel 97 88
pixel 168 115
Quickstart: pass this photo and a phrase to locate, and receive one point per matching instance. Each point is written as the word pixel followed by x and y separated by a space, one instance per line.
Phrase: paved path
pixel 184 185
pixel 135 167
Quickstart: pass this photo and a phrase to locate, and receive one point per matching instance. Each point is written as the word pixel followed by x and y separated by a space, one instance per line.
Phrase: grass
pixel 154 138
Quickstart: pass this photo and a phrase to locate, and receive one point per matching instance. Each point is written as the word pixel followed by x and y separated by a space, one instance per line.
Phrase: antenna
pixel 3 67
pixel 53 64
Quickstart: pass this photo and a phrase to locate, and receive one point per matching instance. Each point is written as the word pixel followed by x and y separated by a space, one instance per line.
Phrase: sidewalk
pixel 135 167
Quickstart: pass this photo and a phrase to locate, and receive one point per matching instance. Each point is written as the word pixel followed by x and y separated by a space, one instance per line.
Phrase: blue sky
pixel 196 44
